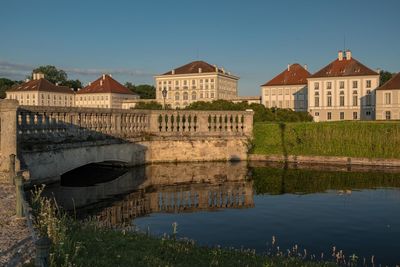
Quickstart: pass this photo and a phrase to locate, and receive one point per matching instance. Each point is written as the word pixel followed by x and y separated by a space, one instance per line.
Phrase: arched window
pixel 194 96
pixel 341 99
pixel 176 96
pixel 185 96
pixel 329 99
pixel 355 98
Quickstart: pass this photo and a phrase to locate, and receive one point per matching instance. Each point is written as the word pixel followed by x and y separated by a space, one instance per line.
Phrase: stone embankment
pixel 16 245
pixel 327 160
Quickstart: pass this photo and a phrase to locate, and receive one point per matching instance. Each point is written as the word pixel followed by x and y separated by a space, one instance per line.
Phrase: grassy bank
pixel 87 244
pixel 350 139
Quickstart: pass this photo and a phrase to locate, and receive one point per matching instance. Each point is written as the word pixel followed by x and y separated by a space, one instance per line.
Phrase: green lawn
pixel 351 139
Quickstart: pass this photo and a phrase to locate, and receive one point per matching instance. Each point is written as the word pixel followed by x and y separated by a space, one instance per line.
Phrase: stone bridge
pixel 49 141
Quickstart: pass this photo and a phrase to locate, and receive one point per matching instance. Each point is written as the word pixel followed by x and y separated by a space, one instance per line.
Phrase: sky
pixel 135 40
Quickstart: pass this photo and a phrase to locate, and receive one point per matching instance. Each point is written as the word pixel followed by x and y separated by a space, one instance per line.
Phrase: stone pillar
pixel 8 139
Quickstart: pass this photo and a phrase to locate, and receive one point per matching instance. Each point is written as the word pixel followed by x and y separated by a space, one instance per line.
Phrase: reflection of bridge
pixel 49 141
pixel 185 187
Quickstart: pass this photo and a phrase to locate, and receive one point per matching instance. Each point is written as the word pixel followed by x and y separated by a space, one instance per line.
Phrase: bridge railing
pixel 32 125
pixel 59 123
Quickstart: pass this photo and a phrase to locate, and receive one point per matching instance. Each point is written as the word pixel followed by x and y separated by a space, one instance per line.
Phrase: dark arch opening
pixel 93 173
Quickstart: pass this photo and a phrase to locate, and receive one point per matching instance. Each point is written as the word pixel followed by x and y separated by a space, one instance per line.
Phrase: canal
pixel 315 209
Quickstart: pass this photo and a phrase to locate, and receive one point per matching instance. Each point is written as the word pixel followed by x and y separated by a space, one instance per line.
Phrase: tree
pixel 5 84
pixel 145 91
pixel 73 84
pixel 52 74
pixel 149 105
pixel 384 76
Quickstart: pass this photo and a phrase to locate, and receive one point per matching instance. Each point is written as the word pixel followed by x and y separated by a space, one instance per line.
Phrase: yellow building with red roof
pixel 105 92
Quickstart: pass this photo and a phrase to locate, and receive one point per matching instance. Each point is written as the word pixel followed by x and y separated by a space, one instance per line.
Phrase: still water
pixel 233 205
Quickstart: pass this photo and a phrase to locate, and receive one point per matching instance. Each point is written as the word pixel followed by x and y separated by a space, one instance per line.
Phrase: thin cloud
pixel 20 71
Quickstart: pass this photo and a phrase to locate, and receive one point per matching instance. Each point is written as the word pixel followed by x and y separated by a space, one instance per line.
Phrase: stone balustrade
pixel 67 124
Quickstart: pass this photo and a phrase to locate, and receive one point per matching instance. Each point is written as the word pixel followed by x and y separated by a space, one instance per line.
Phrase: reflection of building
pixel 105 92
pixel 342 90
pixel 41 92
pixel 287 90
pixel 196 81
pixel 388 100
pixel 185 187
pixel 179 198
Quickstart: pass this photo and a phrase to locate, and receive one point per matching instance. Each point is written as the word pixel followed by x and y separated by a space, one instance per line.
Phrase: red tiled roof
pixel 392 84
pixel 105 84
pixel 40 85
pixel 193 67
pixel 295 75
pixel 344 67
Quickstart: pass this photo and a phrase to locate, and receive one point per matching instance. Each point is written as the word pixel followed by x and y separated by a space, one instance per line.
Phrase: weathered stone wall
pixel 48 166
pixel 52 140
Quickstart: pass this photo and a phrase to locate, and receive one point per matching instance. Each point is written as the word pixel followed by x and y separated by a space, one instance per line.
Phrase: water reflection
pixel 167 188
pixel 316 208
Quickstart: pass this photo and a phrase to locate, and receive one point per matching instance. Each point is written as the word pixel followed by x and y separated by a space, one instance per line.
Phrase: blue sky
pixel 135 40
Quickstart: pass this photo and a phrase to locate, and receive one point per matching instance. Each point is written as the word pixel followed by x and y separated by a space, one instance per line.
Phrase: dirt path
pixel 15 242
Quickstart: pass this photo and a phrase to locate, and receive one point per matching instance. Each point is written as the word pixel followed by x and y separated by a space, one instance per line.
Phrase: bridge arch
pixel 50 165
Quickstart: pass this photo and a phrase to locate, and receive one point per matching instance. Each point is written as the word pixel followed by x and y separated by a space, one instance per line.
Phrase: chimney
pixel 305 66
pixel 173 71
pixel 378 70
pixel 101 82
pixel 104 76
pixel 37 76
pixel 110 75
pixel 200 70
pixel 34 76
pixel 223 70
pixel 216 68
pixel 90 83
pixel 340 55
pixel 348 54
pixel 288 67
pixel 27 80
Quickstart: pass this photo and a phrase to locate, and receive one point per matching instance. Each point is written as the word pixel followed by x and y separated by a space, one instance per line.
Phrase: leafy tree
pixel 149 105
pixel 261 113
pixel 145 91
pixel 5 84
pixel 384 76
pixel 52 74
pixel 73 84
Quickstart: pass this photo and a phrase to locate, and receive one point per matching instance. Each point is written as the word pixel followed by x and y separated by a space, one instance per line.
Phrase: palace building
pixel 41 92
pixel 343 90
pixel 388 100
pixel 196 81
pixel 105 92
pixel 287 90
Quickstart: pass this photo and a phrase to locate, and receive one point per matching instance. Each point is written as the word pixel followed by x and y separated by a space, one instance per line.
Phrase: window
pixel 388 99
pixel 176 82
pixel 342 115
pixel 355 99
pixel 316 86
pixel 176 96
pixel 193 82
pixel 355 115
pixel 355 84
pixel 341 99
pixel 274 103
pixel 329 85
pixel 201 95
pixel 368 113
pixel 267 104
pixel 368 98
pixel 329 115
pixel 387 115
pixel 316 99
pixel 341 84
pixel 287 105
pixel 368 84
pixel 316 113
pixel 193 96
pixel 212 95
pixel 185 96
pixel 280 104
pixel 329 100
